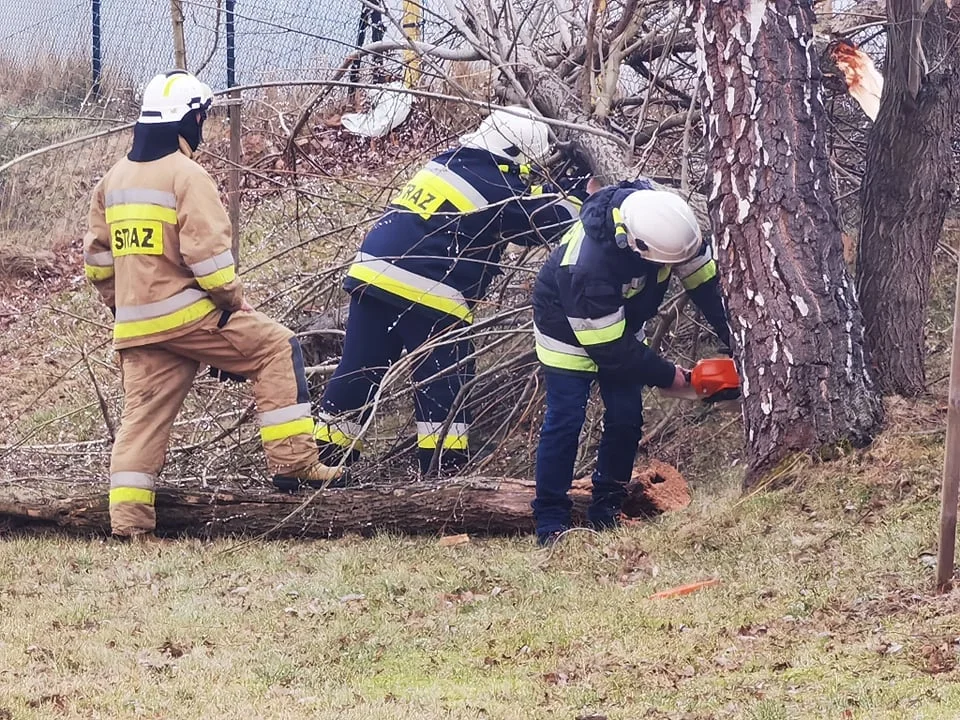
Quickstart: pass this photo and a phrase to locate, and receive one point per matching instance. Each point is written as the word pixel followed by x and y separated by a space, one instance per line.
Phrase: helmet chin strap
pixel 622 237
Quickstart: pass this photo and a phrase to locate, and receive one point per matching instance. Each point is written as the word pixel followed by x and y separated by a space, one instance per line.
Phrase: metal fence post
pixel 233 177
pixel 97 58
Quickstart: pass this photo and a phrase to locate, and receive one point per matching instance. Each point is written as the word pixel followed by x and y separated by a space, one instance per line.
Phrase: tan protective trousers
pixel 156 379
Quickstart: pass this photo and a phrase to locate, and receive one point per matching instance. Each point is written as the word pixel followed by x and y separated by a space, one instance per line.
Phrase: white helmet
pixel 514 132
pixel 170 96
pixel 659 225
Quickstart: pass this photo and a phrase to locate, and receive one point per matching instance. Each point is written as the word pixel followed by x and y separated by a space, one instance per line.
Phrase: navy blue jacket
pixel 592 297
pixel 439 243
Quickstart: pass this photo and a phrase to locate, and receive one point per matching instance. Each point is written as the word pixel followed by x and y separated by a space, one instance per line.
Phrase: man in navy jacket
pixel 591 300
pixel 421 271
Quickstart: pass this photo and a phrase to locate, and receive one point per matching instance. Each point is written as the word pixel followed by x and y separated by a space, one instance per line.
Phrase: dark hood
pixel 597 211
pixel 154 141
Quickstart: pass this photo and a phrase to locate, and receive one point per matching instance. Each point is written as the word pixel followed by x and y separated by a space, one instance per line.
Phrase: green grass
pixel 824 610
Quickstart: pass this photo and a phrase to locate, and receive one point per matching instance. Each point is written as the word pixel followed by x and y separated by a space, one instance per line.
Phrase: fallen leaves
pixel 454 540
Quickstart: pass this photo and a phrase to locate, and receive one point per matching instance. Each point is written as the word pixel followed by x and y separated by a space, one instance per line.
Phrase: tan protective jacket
pixel 158 248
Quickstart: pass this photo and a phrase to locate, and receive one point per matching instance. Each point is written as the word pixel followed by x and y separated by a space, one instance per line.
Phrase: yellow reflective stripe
pixel 707 272
pixel 170 82
pixel 450 442
pixel 140 211
pixel 564 361
pixel 139 328
pixel 217 279
pixel 536 190
pixel 131 495
pixel 97 273
pixel 302 426
pixel 663 273
pixel 601 335
pixel 325 434
pixel 408 292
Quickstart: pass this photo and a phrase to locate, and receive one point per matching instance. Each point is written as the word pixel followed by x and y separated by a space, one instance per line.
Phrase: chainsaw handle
pixel 727 394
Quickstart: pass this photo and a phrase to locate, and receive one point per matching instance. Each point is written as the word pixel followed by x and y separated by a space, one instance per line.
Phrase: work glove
pixel 224 376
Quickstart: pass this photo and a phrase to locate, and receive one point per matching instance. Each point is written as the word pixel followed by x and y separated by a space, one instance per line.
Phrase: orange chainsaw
pixel 711 380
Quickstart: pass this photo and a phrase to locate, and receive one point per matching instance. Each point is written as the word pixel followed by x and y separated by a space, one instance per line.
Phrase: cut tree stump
pixel 474 505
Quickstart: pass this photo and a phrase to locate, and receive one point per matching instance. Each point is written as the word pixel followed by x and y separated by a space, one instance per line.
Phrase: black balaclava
pixel 191 129
pixel 154 141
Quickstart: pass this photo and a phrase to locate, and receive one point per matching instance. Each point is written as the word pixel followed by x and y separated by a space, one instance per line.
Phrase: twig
pixel 111 431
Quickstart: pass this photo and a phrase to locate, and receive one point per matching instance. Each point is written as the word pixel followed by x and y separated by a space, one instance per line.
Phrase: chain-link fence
pixel 98 54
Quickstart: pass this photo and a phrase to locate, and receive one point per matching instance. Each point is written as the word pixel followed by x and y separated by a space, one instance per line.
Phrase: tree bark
pixel 793 312
pixel 908 185
pixel 479 506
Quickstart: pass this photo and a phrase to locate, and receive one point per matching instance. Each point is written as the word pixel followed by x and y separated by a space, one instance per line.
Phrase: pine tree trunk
pixel 907 188
pixel 793 311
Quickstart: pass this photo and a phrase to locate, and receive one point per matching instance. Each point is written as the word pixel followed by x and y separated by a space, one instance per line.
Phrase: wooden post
pixel 951 462
pixel 179 42
pixel 233 177
pixel 412 15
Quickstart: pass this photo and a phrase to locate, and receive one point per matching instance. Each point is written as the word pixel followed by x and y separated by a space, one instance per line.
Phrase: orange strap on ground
pixel 685 589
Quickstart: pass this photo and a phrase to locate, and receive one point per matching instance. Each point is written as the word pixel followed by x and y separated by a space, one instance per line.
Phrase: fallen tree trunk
pixel 480 506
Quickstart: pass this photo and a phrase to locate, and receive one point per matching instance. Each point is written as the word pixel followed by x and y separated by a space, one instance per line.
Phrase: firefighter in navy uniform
pixel 421 270
pixel 591 300
pixel 158 252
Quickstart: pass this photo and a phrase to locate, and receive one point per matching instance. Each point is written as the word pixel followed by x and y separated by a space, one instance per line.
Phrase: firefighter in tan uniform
pixel 158 252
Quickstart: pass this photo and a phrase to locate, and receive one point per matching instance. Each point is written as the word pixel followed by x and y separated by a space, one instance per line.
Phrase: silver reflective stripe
pixel 548 343
pixel 691 266
pixel 211 265
pixel 434 287
pixel 574 241
pixel 98 259
pixel 145 481
pixel 572 208
pixel 285 414
pixel 640 335
pixel 350 429
pixel 596 323
pixel 425 429
pixel 161 307
pixel 464 187
pixel 141 195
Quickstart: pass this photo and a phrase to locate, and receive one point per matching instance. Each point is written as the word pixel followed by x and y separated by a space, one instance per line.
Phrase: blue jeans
pixel 567 397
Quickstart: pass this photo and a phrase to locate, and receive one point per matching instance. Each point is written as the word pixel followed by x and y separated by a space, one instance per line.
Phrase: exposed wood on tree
pixel 793 312
pixel 909 183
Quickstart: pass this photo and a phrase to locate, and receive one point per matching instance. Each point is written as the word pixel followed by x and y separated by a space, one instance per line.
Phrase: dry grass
pixel 824 610
pixel 45 81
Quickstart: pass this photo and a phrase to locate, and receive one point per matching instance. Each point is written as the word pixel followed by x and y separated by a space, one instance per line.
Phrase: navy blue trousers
pixel 377 334
pixel 567 397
